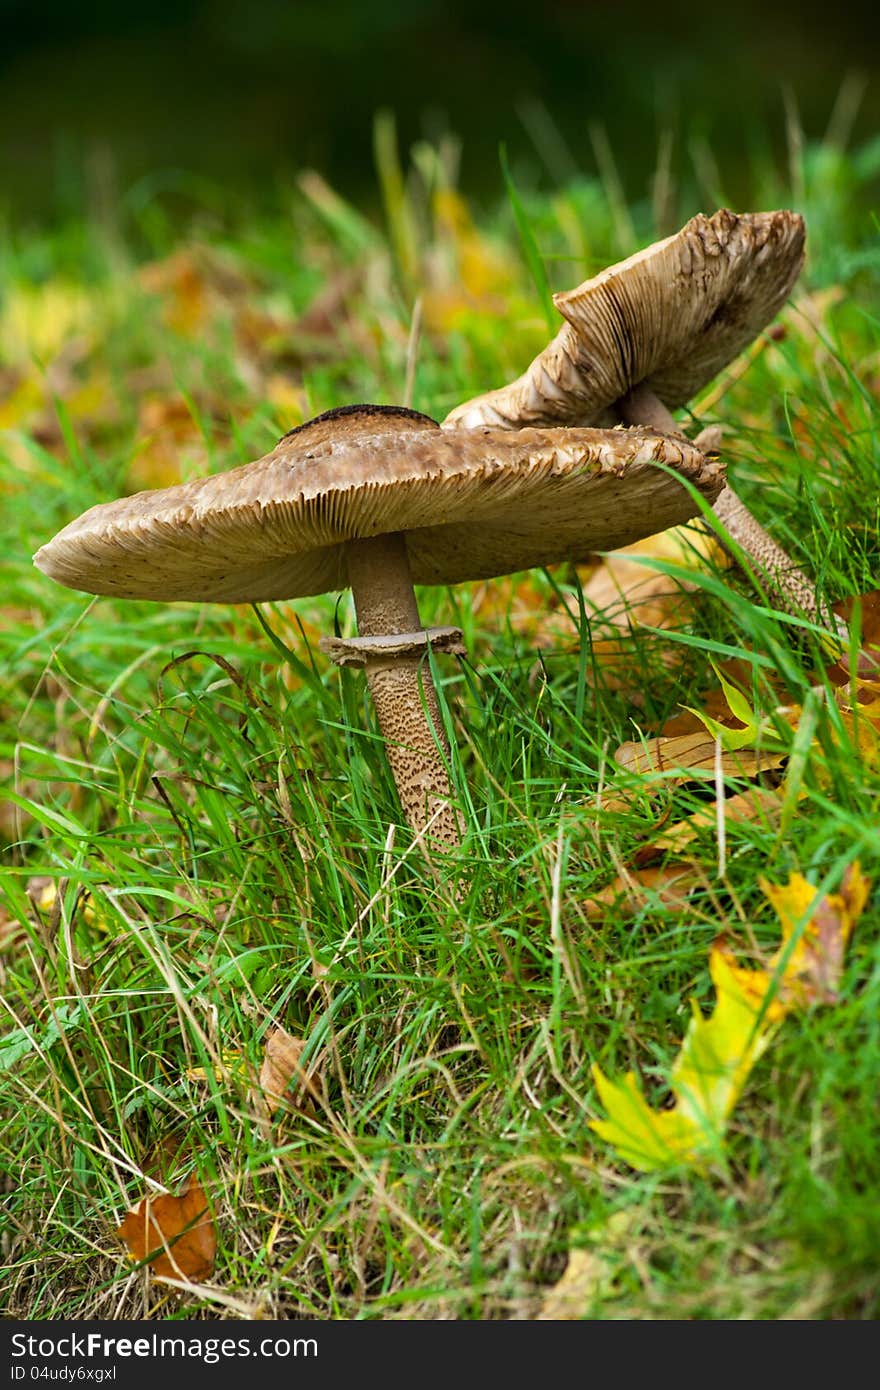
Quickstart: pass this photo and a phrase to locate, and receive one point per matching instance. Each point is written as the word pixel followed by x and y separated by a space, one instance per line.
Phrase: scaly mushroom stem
pixel 789 587
pixel 402 689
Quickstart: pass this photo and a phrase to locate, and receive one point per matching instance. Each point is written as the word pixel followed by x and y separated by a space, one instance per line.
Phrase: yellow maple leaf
pixel 806 967
pixel 706 1079
pixel 718 1052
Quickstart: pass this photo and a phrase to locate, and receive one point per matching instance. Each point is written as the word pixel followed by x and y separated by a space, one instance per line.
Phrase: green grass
pixel 224 840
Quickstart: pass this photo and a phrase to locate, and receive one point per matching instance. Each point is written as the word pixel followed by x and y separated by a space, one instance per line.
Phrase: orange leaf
pixel 176 1236
pixel 168 432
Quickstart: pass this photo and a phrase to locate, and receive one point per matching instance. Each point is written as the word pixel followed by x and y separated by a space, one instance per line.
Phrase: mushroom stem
pixel 402 689
pixel 641 407
pixel 789 587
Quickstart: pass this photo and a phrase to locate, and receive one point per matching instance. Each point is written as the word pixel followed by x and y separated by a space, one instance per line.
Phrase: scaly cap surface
pixel 473 503
pixel 670 317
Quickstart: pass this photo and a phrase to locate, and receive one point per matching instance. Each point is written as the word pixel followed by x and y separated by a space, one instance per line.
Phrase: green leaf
pixel 17 1044
pixel 756 728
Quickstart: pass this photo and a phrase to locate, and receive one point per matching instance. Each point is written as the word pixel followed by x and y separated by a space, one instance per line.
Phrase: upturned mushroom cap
pixel 670 317
pixel 472 503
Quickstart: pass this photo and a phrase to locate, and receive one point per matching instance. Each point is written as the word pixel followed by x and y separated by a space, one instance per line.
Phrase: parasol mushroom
pixel 644 336
pixel 379 498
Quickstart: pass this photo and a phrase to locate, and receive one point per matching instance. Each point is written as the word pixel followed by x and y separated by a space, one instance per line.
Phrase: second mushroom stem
pixel 789 587
pixel 402 689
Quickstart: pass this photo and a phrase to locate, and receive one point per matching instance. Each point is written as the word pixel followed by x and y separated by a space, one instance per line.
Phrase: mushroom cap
pixel 670 317
pixel 473 504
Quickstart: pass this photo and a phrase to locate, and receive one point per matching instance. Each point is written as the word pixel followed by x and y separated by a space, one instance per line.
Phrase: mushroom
pixel 644 336
pixel 380 497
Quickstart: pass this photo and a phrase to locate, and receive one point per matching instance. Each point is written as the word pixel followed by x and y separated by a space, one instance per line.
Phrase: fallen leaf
pixel 228 1066
pixel 181 284
pixel 320 331
pixel 867 662
pixel 743 726
pixel 290 402
pixel 862 721
pixel 706 1079
pixel 167 434
pixel 585 1276
pixel 466 274
pixel 734 672
pixel 718 1052
pixel 262 336
pixel 13 932
pixel 626 599
pixel 681 745
pixel 691 757
pixel 807 966
pixel 523 602
pixel 668 885
pixel 37 321
pixel 23 397
pixel 758 804
pixel 282 1065
pixel 626 592
pixel 589 1273
pixel 163 1157
pixel 175 1236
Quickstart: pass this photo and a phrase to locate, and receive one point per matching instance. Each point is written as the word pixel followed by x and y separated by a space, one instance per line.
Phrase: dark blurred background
pixel 240 95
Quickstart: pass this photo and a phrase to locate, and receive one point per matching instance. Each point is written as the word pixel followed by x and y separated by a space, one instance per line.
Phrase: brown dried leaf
pixel 628 593
pixel 180 282
pixel 867 665
pixel 261 338
pixel 13 933
pixel 756 804
pixel 523 602
pixel 175 1235
pixel 168 433
pixel 326 315
pixel 668 885
pixel 282 1065
pixel 691 757
pixel 590 1273
pixel 625 596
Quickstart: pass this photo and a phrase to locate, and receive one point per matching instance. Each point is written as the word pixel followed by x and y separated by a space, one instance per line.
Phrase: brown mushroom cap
pixel 670 317
pixel 472 503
